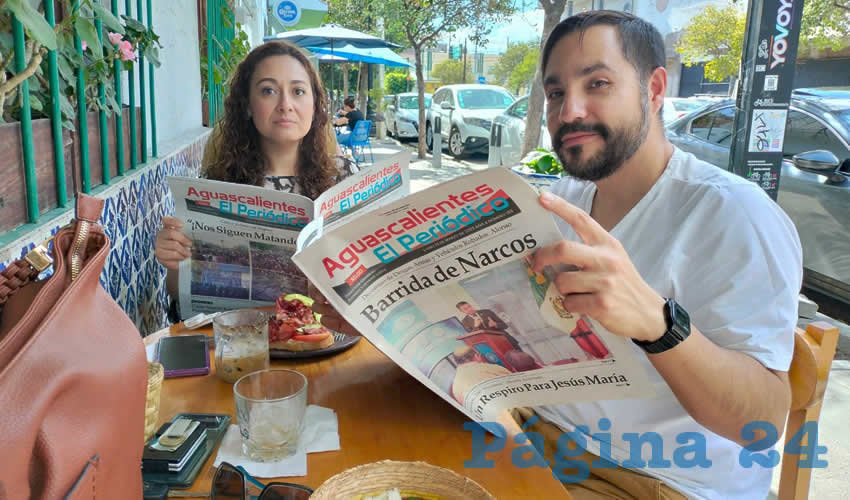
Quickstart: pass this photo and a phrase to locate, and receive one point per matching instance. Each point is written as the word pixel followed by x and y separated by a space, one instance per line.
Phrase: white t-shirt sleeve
pixel 744 274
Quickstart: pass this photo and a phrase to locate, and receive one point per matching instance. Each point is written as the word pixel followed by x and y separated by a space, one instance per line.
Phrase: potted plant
pixel 540 168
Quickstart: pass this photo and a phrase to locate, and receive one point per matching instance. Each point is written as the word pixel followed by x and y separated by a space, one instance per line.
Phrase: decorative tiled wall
pixel 131 218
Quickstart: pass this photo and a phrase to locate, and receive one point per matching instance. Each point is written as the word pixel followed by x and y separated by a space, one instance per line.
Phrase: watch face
pixel 681 320
pixel 681 316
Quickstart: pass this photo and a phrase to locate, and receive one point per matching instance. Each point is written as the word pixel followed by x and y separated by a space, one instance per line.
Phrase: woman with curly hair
pixel 274 133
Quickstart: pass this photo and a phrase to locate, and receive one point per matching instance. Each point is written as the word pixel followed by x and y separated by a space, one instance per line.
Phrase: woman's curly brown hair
pixel 239 157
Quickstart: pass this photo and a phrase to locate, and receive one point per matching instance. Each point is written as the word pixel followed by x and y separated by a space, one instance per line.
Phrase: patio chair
pixel 358 140
pixel 814 350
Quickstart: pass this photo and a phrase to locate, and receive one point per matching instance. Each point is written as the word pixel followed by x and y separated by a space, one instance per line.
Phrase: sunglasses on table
pixel 231 483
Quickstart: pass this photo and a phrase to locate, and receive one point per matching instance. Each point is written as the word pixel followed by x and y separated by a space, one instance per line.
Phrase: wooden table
pixel 383 413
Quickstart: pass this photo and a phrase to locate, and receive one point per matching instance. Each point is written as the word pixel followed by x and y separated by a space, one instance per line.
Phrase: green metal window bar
pixel 220 31
pixel 131 99
pixel 26 123
pixel 119 117
pixel 56 114
pixel 82 122
pixel 152 101
pixel 142 97
pixel 147 110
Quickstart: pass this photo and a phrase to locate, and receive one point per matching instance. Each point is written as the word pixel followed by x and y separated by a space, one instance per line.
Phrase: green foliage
pixel 376 95
pixel 543 162
pixel 524 72
pixel 825 24
pixel 33 22
pixel 423 21
pixel 510 61
pixel 233 51
pixel 96 61
pixel 450 71
pixel 395 83
pixel 718 35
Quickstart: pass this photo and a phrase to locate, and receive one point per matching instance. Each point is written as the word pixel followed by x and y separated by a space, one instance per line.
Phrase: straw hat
pixel 410 477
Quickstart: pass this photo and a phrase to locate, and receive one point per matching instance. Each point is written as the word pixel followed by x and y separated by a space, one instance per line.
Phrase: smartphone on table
pixel 183 355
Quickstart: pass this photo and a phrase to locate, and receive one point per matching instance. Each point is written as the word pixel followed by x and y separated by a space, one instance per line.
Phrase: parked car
pixel 466 113
pixel 402 114
pixel 677 107
pixel 814 188
pixel 508 133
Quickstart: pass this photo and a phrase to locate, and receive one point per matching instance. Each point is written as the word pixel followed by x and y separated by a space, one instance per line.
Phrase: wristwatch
pixel 678 329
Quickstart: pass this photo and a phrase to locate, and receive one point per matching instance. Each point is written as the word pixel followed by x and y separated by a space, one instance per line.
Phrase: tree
pixel 523 73
pixel 423 21
pixel 552 12
pixel 512 58
pixel 395 83
pixel 718 35
pixel 451 71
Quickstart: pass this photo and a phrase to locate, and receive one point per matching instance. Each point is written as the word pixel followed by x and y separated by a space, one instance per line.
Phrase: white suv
pixel 466 114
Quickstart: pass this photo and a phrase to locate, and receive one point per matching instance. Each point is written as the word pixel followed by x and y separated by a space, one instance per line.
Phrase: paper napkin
pixel 320 432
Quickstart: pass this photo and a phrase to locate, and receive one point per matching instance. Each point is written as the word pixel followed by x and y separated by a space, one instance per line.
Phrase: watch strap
pixel 678 329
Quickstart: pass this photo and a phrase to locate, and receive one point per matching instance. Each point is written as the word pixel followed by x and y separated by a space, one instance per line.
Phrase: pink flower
pixel 115 38
pixel 85 45
pixel 125 50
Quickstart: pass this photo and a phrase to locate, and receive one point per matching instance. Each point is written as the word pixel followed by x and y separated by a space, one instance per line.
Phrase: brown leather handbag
pixel 73 374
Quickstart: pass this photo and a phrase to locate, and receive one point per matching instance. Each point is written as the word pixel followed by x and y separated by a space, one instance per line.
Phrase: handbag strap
pixel 23 271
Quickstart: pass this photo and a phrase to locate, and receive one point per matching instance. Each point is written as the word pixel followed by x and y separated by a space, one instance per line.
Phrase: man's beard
pixel 620 145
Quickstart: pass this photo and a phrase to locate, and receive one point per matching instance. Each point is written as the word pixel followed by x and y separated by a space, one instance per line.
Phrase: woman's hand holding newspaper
pixel 330 317
pixel 172 246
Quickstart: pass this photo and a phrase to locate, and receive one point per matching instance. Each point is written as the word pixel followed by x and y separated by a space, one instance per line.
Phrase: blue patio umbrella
pixel 379 55
pixel 328 35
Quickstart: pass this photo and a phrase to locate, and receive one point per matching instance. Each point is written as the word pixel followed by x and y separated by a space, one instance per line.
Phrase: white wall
pixel 251 14
pixel 178 79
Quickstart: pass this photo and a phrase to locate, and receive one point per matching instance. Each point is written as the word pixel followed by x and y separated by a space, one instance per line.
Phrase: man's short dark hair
pixel 349 101
pixel 640 42
pixel 461 303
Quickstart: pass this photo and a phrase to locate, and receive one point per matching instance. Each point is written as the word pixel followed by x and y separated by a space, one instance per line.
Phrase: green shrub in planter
pixel 542 161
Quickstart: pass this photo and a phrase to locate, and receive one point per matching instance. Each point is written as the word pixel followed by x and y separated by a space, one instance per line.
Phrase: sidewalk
pixel 422 173
pixel 828 483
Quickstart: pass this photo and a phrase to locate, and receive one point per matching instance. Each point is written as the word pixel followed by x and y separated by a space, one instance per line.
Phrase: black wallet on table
pixel 214 426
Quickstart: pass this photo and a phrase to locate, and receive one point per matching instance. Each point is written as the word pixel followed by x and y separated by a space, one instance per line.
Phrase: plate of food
pixel 296 332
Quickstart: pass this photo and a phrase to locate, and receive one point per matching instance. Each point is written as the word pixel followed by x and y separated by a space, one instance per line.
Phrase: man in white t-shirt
pixel 699 267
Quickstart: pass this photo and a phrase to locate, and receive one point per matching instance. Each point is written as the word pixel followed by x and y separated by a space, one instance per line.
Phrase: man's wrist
pixel 656 324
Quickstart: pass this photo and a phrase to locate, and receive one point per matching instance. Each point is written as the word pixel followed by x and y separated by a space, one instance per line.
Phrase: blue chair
pixel 358 140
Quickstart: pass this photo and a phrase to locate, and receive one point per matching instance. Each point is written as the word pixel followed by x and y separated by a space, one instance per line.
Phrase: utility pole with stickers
pixel 764 93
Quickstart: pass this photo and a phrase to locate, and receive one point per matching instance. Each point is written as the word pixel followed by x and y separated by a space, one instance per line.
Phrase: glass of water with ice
pixel 270 406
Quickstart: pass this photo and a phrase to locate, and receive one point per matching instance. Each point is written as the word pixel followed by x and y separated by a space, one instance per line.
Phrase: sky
pixel 520 27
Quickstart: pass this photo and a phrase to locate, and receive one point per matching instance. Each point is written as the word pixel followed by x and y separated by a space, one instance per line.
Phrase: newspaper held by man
pixel 243 237
pixel 440 282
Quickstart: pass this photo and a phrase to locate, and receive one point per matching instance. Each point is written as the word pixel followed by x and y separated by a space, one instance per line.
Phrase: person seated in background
pixel 352 115
pixel 274 133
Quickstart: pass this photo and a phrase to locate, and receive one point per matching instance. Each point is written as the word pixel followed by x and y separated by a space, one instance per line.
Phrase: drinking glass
pixel 241 343
pixel 270 407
